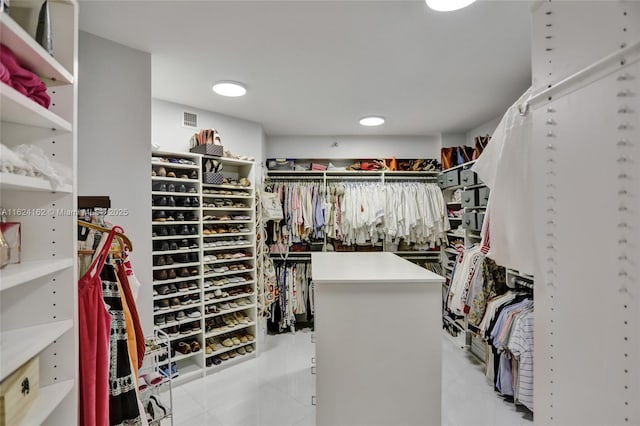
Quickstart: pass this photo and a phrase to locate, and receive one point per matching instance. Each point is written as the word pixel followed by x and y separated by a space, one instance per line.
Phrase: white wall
pixel 453 139
pixel 353 147
pixel 483 129
pixel 241 137
pixel 114 144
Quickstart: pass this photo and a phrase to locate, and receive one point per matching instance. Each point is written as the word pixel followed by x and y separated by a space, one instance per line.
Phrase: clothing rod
pixel 582 75
pixel 293 178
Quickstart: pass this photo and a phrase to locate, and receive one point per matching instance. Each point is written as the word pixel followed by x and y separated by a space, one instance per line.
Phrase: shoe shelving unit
pixel 221 301
pixel 38 297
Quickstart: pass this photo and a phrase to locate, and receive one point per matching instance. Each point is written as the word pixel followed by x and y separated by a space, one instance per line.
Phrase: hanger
pixel 125 242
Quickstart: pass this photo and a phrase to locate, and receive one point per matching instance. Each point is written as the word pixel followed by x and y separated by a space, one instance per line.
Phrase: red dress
pixel 94 328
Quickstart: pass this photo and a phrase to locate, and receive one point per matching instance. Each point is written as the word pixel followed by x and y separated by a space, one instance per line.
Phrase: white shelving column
pixel 38 297
pixel 586 146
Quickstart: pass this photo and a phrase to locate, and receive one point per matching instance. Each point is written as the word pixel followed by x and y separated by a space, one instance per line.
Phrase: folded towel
pixel 5 75
pixel 23 80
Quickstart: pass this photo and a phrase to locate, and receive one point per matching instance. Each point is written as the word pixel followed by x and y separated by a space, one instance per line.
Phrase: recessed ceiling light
pixel 372 121
pixel 232 89
pixel 448 5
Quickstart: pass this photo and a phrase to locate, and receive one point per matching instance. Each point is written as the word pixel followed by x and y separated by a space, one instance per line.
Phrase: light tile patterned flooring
pixel 275 389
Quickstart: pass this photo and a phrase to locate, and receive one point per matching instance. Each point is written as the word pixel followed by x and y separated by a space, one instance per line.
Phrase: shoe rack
pixel 204 261
pixel 155 381
pixel 38 296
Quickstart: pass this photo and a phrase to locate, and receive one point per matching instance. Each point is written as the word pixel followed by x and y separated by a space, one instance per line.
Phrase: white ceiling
pixel 316 67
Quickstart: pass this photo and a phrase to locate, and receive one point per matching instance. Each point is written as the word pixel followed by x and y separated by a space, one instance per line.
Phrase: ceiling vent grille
pixel 190 120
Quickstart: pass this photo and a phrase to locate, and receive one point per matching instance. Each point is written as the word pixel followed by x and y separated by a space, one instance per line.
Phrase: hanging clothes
pixel 94 335
pixel 504 167
pixel 123 398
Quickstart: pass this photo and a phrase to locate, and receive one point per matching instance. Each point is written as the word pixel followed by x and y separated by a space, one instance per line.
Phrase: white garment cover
pixel 504 167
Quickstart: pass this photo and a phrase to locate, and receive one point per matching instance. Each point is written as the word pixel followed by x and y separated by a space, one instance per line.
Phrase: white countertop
pixel 368 267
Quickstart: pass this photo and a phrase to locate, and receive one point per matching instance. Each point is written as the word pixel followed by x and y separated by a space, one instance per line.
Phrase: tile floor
pixel 275 389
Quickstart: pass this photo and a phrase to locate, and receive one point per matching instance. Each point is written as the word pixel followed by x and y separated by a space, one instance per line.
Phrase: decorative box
pixel 18 392
pixel 212 178
pixel 209 149
pixel 12 233
pixel 280 164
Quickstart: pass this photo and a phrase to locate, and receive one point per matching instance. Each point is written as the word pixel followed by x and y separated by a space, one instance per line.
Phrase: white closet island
pixel 378 340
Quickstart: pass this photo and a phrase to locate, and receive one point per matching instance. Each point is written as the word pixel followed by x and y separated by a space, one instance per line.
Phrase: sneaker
pixel 159 320
pixel 181 316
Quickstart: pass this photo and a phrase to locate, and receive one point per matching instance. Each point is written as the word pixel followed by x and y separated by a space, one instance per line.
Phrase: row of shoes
pixel 176 258
pixel 226 242
pixel 218 308
pixel 237 182
pixel 222 281
pixel 176 201
pixel 172 160
pixel 229 154
pixel 213 230
pixel 226 255
pixel 218 359
pixel 170 231
pixel 213 344
pixel 170 371
pixel 171 187
pixel 184 244
pixel 225 192
pixel 187 346
pixel 168 319
pixel 226 321
pixel 225 202
pixel 183 329
pixel 221 269
pixel 176 302
pixel 170 274
pixel 162 216
pixel 225 217
pixel 183 287
pixel 174 173
pixel 155 409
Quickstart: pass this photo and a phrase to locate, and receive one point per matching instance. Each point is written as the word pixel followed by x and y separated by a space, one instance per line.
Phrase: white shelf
pixel 184 356
pixel 49 397
pixel 228 234
pixel 226 222
pixel 169 165
pixel 218 248
pixel 246 283
pixel 184 336
pixel 18 109
pixel 229 311
pixel 175 180
pixel 176 222
pixel 237 259
pixel 176 265
pixel 231 161
pixel 226 299
pixel 22 344
pixel 230 187
pixel 30 54
pixel 172 295
pixel 14 275
pixel 176 280
pixel 168 252
pixel 13 182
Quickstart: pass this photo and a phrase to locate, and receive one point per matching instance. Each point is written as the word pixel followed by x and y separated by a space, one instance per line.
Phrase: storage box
pixel 209 149
pixel 483 196
pixel 469 221
pixel 442 180
pixel 469 198
pixel 280 164
pixel 468 177
pixel 18 392
pixel 453 178
pixel 12 233
pixel 212 178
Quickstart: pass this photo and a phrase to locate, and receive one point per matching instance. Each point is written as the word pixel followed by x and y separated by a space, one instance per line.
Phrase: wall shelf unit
pixel 38 296
pixel 211 238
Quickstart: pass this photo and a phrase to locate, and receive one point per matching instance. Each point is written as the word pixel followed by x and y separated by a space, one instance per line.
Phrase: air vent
pixel 190 119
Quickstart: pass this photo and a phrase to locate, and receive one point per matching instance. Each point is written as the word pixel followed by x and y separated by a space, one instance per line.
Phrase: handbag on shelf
pixel 481 144
pixel 447 157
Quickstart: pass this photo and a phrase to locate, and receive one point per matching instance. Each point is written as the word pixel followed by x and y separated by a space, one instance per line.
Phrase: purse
pixel 481 144
pixel 271 207
pixel 446 155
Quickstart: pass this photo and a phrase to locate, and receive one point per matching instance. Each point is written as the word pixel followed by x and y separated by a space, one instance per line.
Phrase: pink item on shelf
pixel 5 75
pixel 23 80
